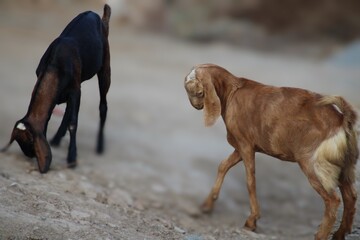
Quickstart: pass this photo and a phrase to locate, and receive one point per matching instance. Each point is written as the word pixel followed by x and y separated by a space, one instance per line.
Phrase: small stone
pixel 120 197
pixel 62 176
pixel 165 223
pixel 112 225
pixel 139 205
pixel 14 184
pixel 209 237
pixel 157 205
pixel 158 188
pixel 193 237
pixel 79 214
pixel 251 234
pixel 189 208
pixel 179 230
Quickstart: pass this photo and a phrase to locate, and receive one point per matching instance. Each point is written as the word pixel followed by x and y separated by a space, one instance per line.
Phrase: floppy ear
pixel 13 134
pixel 212 105
pixel 21 134
pixel 42 153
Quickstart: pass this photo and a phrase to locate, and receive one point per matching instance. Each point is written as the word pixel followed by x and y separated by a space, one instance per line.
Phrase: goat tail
pixel 345 141
pixel 344 107
pixel 106 17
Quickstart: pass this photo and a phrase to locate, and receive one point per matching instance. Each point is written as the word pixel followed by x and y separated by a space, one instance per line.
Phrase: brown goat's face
pixel 202 94
pixel 195 91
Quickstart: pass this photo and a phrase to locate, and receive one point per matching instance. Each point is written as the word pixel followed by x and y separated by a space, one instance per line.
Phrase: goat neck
pixel 225 84
pixel 43 101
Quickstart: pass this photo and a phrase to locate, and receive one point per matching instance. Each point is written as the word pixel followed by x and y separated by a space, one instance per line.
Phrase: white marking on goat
pixel 329 157
pixel 191 76
pixel 21 126
pixel 337 108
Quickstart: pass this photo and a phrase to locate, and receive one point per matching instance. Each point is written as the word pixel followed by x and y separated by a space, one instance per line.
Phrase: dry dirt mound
pixel 160 161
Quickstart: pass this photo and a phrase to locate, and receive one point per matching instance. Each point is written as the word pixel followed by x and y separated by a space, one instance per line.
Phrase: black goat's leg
pixel 55 141
pixel 74 104
pixel 104 85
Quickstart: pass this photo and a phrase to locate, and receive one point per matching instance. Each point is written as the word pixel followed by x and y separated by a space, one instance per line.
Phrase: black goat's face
pixel 33 144
pixel 24 137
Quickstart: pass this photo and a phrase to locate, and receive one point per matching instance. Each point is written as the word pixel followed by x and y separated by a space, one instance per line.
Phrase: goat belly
pixel 281 156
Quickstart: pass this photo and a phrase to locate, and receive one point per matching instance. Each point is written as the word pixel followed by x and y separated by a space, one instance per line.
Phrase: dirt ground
pixel 160 160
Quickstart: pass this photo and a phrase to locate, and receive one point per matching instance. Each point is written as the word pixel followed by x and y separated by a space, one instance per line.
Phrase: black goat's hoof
pixel 72 164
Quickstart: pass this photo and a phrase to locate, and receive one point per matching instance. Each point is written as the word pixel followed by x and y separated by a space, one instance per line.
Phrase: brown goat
pixel 291 124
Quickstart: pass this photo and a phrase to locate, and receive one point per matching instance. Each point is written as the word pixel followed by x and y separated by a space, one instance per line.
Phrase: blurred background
pixel 276 25
pixel 160 160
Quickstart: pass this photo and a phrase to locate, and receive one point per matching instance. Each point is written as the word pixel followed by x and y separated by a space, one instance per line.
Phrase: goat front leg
pixel 249 162
pixel 74 105
pixel 223 168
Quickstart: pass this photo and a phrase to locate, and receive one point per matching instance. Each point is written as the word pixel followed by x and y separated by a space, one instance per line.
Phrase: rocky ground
pixel 160 161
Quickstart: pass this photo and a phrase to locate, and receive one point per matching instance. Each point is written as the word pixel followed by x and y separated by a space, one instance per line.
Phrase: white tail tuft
pixel 329 160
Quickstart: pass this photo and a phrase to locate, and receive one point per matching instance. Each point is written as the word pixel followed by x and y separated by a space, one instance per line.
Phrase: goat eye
pixel 200 94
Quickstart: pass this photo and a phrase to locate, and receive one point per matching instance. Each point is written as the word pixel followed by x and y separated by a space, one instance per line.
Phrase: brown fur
pixel 291 124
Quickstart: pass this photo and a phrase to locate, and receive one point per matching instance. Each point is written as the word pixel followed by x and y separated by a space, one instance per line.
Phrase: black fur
pixel 80 52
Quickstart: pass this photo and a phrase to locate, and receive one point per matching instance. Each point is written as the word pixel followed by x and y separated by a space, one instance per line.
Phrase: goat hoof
pixel 207 208
pixel 338 236
pixel 100 150
pixel 251 226
pixel 72 165
pixel 100 145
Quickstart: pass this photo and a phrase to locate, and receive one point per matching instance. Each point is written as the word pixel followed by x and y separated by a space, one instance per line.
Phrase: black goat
pixel 80 52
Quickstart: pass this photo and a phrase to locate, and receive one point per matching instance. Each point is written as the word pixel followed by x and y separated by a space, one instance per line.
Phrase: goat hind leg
pixel 349 196
pixel 55 141
pixel 104 85
pixel 331 201
pixel 224 166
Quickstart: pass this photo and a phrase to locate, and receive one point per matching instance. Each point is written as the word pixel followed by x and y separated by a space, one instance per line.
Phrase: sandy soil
pixel 160 161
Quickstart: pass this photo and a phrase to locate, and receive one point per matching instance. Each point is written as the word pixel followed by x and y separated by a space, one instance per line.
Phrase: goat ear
pixel 212 105
pixel 13 134
pixel 42 153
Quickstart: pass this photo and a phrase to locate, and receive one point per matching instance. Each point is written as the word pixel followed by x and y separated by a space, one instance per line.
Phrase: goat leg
pixel 331 201
pixel 224 166
pixel 249 162
pixel 74 101
pixel 55 141
pixel 104 85
pixel 348 193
